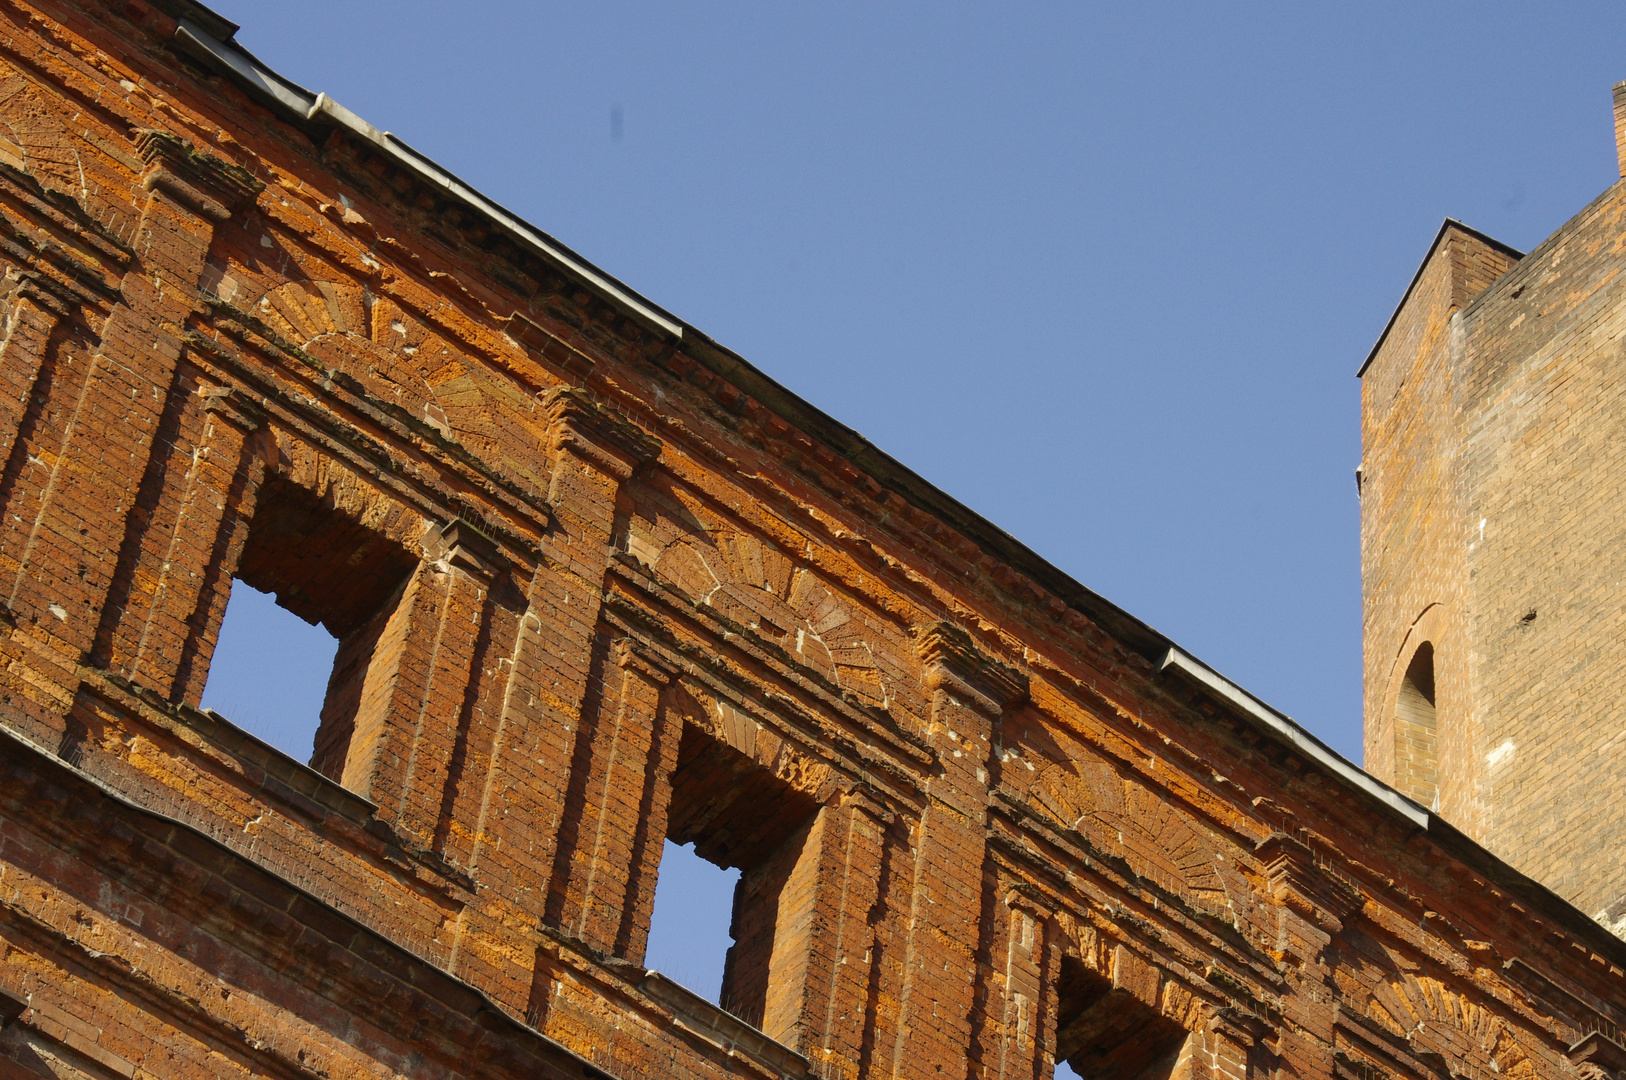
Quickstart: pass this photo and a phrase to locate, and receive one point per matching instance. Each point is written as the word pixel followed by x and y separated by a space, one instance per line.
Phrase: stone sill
pixel 719 1026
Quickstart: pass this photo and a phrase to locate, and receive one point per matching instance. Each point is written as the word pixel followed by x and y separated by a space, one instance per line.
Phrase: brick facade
pixel 598 583
pixel 1491 478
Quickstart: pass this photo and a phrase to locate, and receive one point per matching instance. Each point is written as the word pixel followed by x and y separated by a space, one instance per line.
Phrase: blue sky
pixel 1104 273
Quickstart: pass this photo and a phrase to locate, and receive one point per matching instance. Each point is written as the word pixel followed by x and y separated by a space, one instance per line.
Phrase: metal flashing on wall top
pixel 301 106
pixel 228 57
pixel 1286 730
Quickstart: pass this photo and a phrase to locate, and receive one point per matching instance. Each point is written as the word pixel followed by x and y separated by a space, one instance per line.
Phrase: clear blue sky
pixel 1105 274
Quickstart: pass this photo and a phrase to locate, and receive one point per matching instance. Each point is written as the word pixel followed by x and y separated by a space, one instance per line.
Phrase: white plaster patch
pixel 59 611
pixel 1501 754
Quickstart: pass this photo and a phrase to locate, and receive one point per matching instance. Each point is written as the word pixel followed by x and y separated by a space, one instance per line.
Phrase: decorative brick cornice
pixel 1240 1028
pixel 862 800
pixel 633 655
pixel 1293 880
pixel 1028 898
pixel 233 405
pixel 461 544
pixel 950 657
pixel 596 433
pixel 212 187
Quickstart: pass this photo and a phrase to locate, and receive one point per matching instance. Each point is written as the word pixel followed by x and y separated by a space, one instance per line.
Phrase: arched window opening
pixel 1416 730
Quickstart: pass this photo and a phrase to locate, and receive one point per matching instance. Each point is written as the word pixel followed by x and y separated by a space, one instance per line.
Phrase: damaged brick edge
pixel 486 1014
pixel 293 782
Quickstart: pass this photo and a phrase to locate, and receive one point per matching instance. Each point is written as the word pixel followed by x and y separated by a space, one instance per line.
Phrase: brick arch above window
pixel 756 585
pixel 343 327
pixel 1120 817
pixel 34 138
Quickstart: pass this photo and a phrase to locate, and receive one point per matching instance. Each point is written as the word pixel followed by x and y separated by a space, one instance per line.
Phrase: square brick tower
pixel 1492 495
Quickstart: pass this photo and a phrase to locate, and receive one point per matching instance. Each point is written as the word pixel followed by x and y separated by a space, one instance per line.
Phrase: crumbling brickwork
pixel 1491 476
pixel 597 583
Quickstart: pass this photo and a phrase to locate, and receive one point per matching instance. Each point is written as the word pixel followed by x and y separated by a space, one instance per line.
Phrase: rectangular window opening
pixel 1106 1032
pixel 689 934
pixel 270 671
pixel 733 813
pixel 313 593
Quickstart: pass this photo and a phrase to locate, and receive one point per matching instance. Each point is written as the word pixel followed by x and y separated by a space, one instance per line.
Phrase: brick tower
pixel 1492 491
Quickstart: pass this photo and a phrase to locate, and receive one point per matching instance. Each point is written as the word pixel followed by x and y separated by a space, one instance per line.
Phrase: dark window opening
pixel 1104 1033
pixel 740 816
pixel 342 579
pixel 1417 731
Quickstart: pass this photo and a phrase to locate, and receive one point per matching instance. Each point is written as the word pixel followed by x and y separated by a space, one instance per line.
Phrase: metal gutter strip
pixel 300 103
pixel 264 81
pixel 269 85
pixel 1290 733
pixel 452 184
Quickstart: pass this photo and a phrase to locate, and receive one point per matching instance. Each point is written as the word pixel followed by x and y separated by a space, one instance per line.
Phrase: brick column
pixel 594 451
pixel 604 874
pixel 61 554
pixel 27 332
pixel 1221 1051
pixel 414 691
pixel 968 691
pixel 822 1015
pixel 1020 1047
pixel 163 591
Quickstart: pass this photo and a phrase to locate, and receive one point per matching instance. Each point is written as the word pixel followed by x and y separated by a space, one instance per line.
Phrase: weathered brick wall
pixel 1492 480
pixel 598 584
pixel 1414 586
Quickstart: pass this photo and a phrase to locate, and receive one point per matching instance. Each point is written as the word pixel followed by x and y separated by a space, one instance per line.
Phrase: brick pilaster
pixel 1221 1050
pixel 26 333
pixel 615 836
pixel 83 492
pixel 412 701
pixel 1020 1043
pixel 968 691
pixel 164 590
pixel 829 1027
pixel 594 451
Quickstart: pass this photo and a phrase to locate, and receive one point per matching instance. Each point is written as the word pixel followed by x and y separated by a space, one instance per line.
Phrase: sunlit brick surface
pixel 1493 471
pixel 597 584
